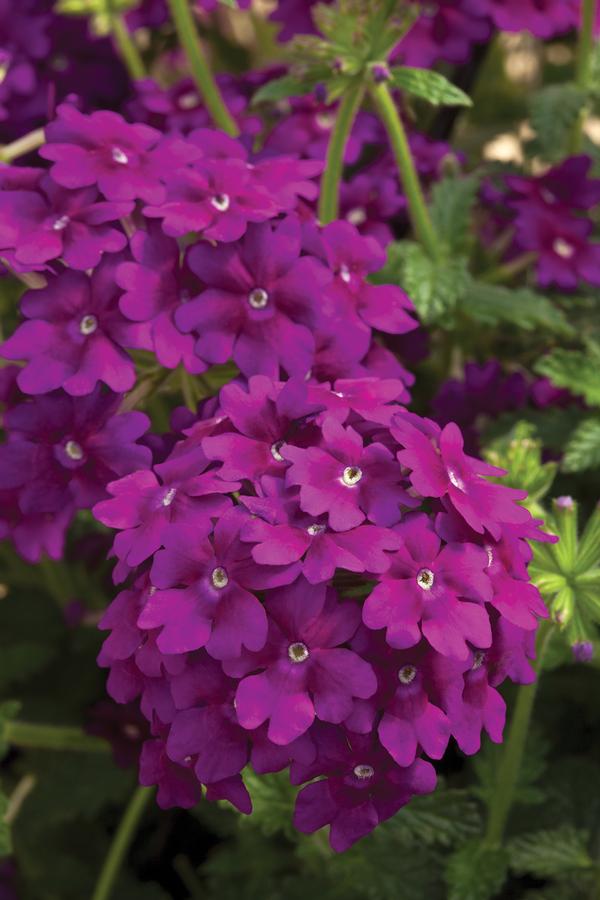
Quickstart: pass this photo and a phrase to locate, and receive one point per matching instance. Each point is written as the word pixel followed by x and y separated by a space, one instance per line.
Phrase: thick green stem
pixel 507 774
pixel 583 68
pixel 329 200
pixel 128 51
pixel 206 84
pixel 419 214
pixel 51 737
pixel 23 145
pixel 121 842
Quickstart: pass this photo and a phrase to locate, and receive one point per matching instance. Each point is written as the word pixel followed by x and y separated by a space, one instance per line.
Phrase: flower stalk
pixel 126 46
pixel 329 199
pixel 419 214
pixel 51 737
pixel 583 66
pixel 22 145
pixel 507 775
pixel 121 842
pixel 203 77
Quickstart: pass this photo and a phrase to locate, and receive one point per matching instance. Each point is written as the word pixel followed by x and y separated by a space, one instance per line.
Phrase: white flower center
pixel 407 674
pixel 364 771
pixel 74 450
pixel 169 497
pixel 356 216
pixel 326 121
pixel 119 156
pixel 351 475
pixel 345 273
pixel 315 529
pixel 275 448
pixel 88 324
pixel 425 579
pixel 189 100
pixel 563 249
pixel 220 202
pixel 258 298
pixel 456 480
pixel 478 659
pixel 490 555
pixel 298 652
pixel 61 223
pixel 219 578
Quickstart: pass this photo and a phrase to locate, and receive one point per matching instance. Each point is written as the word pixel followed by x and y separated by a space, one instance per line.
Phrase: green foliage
pixel 554 111
pixel 490 304
pixel 452 201
pixel 529 790
pixel 575 370
pixel 583 449
pixel 476 872
pixel 29 631
pixel 272 802
pixel 429 85
pixel 282 88
pixel 5 835
pixel 545 854
pixel 520 453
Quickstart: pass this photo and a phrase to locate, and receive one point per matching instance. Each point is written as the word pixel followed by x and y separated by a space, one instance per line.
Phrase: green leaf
pixel 282 88
pixel 435 289
pixel 444 818
pixel 30 626
pixel 476 872
pixel 575 370
pixel 583 450
pixel 5 836
pixel 545 854
pixel 554 111
pixel 452 201
pixel 492 305
pixel 520 453
pixel 272 802
pixel 429 85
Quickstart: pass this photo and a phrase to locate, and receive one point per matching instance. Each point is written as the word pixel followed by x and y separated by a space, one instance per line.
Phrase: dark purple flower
pixel 543 18
pixel 445 30
pixel 583 651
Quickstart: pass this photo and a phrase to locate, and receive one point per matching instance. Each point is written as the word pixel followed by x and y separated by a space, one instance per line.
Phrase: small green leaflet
pixel 281 89
pixel 583 450
pixel 575 370
pixel 545 854
pixel 430 86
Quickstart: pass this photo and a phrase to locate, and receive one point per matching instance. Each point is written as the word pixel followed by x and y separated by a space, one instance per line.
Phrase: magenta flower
pixel 51 222
pixel 445 30
pixel 543 18
pixel 362 787
pixel 305 672
pixel 427 591
pixel 75 336
pixel 346 480
pixel 260 302
pixel 177 785
pixel 155 287
pixel 480 707
pixel 442 469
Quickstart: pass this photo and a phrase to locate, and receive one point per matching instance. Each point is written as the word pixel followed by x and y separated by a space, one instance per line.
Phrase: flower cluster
pixel 318 579
pixel 549 216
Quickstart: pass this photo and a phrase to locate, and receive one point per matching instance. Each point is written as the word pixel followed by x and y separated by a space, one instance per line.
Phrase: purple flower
pixel 440 468
pixel 583 651
pixel 427 591
pixel 51 222
pixel 346 480
pixel 566 255
pixel 177 785
pixel 543 18
pixel 205 598
pixel 305 672
pixel 362 787
pixel 75 335
pixel 260 302
pixel 445 30
pixel 155 287
pixel 480 707
pixel 125 161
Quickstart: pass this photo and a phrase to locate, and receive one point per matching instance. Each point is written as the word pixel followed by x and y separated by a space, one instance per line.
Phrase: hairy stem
pixel 51 737
pixel 23 145
pixel 121 842
pixel 127 49
pixel 206 84
pixel 583 68
pixel 329 200
pixel 419 214
pixel 507 773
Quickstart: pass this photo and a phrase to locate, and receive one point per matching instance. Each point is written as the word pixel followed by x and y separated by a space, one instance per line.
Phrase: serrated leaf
pixel 554 111
pixel 492 305
pixel 429 85
pixel 550 853
pixel 452 200
pixel 575 370
pixel 282 88
pixel 520 453
pixel 583 449
pixel 443 818
pixel 476 872
pixel 273 800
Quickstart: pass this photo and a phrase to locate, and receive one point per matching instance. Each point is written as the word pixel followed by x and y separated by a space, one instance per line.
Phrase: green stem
pixel 419 214
pixel 51 737
pixel 127 49
pixel 512 752
pixel 329 199
pixel 23 145
pixel 508 271
pixel 583 68
pixel 188 37
pixel 121 842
